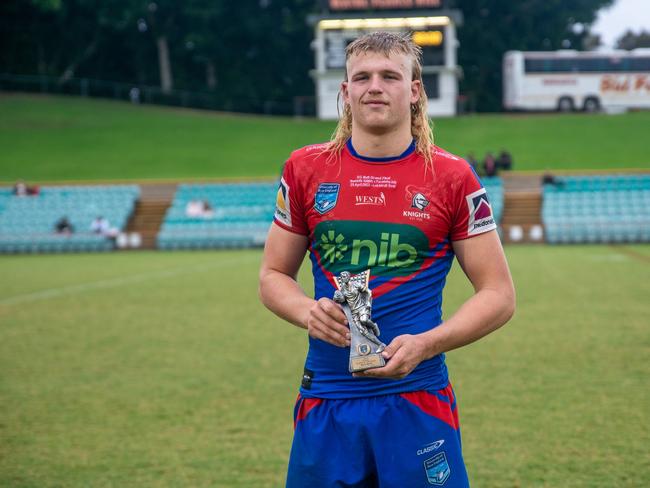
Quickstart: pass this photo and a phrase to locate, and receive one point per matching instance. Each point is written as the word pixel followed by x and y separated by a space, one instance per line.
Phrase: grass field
pixel 67 138
pixel 163 370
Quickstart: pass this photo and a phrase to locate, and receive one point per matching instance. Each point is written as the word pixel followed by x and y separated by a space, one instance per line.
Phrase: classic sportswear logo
pixel 391 249
pixel 430 447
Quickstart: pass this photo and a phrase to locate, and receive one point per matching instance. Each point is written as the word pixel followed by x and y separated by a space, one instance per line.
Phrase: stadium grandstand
pixel 28 223
pixel 569 209
pixel 229 215
pixel 590 209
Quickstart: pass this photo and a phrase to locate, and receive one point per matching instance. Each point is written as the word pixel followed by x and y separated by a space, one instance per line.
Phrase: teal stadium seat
pixel 591 209
pixel 242 214
pixel 27 223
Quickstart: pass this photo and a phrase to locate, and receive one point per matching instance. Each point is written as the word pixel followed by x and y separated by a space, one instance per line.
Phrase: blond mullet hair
pixel 388 43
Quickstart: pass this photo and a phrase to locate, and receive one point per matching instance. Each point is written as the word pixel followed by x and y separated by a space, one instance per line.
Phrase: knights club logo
pixel 480 213
pixel 419 201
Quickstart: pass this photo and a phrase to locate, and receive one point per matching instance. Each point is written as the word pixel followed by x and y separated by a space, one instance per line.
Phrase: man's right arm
pixel 280 292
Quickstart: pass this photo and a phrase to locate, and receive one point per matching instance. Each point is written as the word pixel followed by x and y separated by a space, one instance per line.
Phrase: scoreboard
pixel 431 40
pixel 435 34
pixel 337 5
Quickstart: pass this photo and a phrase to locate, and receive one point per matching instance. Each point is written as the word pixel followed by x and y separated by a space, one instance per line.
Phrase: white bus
pixel 574 80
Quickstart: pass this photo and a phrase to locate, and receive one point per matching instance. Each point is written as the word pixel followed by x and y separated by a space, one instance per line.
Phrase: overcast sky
pixel 623 15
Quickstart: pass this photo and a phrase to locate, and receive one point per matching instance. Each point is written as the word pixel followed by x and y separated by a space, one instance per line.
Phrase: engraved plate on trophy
pixel 355 298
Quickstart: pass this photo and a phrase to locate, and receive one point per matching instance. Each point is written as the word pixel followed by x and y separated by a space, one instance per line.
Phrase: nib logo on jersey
pixel 389 249
pixel 480 213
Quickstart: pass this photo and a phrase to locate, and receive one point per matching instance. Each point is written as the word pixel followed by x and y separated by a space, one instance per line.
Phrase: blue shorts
pixel 406 440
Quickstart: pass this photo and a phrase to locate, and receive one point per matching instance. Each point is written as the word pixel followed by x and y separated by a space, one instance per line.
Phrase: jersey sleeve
pixel 289 208
pixel 472 210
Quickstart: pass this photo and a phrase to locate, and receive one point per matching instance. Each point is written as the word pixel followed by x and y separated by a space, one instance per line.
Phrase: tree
pixel 630 40
pixel 591 42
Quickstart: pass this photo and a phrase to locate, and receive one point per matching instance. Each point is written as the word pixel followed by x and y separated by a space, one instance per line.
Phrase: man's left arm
pixel 493 303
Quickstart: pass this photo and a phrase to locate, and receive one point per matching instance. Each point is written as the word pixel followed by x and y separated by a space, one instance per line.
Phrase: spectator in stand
pixel 64 226
pixel 199 208
pixel 504 161
pixel 550 179
pixel 22 190
pixel 490 165
pixel 102 226
pixel 208 211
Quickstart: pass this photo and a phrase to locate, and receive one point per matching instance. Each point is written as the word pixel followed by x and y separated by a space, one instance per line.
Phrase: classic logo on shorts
pixel 437 469
pixel 326 197
pixel 480 213
pixel 282 204
pixel 430 447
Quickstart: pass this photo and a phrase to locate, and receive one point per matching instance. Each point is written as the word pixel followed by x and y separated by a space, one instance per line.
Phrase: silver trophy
pixel 356 299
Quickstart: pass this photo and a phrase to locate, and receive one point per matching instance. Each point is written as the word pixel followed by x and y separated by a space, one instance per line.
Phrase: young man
pixel 380 196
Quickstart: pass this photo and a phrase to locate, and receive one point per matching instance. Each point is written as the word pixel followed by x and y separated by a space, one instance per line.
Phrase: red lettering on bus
pixel 612 83
pixel 642 82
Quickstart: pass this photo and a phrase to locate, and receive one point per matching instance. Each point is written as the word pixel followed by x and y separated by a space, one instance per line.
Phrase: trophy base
pixel 362 363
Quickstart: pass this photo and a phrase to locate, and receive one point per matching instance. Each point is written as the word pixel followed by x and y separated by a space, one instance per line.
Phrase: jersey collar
pixel 408 152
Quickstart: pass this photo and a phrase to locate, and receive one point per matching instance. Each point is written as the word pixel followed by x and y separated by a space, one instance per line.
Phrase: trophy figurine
pixel 356 299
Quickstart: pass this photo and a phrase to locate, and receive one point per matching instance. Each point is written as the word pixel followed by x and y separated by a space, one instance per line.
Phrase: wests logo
pixel 379 200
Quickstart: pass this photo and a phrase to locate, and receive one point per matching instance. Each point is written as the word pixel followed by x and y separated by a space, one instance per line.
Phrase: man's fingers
pixel 399 365
pixel 392 348
pixel 326 322
pixel 387 371
pixel 333 309
pixel 322 317
pixel 330 336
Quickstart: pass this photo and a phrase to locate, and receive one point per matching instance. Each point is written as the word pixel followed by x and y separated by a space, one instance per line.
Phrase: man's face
pixel 380 91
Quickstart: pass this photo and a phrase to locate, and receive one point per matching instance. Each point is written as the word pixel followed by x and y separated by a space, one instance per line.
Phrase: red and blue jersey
pixel 396 217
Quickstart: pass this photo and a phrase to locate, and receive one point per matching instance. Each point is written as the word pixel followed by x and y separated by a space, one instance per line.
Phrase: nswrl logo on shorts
pixel 437 469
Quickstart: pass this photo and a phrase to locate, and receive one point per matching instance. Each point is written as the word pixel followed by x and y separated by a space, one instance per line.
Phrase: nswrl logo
pixel 437 469
pixel 392 249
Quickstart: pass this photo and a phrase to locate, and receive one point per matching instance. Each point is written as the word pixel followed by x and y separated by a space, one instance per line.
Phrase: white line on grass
pixel 113 282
